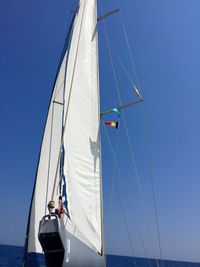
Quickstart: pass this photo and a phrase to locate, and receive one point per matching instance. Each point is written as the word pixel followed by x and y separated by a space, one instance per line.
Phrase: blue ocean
pixel 10 256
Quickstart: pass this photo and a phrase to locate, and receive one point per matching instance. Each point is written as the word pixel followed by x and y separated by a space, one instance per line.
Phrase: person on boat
pixel 60 211
pixel 51 206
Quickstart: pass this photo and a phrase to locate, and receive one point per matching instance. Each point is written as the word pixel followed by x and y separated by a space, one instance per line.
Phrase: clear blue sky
pixel 165 38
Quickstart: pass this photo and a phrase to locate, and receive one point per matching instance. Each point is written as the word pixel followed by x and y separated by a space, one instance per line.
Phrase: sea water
pixel 10 256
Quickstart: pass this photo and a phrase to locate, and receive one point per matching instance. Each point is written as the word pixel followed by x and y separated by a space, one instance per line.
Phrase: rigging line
pixel 123 213
pixel 114 182
pixel 63 115
pixel 128 138
pixel 73 6
pixel 51 135
pixel 126 226
pixel 138 179
pixel 32 197
pixel 152 181
pixel 95 18
pixel 139 186
pixel 123 67
pixel 70 91
pixel 142 241
pixel 68 27
pixel 48 173
pixel 147 143
pixel 113 177
pixel 129 49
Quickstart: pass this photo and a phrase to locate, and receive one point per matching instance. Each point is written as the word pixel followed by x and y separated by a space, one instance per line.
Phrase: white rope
pixel 49 158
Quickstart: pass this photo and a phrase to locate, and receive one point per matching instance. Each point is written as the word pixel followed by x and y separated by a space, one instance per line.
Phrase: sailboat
pixel 69 164
pixel 69 176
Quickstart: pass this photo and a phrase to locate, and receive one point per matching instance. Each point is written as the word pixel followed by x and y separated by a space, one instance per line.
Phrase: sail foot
pixel 52 240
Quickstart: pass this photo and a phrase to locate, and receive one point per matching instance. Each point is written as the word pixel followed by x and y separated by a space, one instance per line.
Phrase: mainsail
pixel 73 123
pixel 81 136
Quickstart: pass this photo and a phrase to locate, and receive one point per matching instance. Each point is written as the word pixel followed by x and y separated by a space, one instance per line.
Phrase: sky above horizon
pixel 164 131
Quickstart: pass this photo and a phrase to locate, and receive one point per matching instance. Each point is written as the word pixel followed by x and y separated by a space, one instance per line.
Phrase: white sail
pixel 81 137
pixel 78 82
pixel 48 161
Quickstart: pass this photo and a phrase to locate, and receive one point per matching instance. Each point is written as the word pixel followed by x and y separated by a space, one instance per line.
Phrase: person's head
pixel 60 197
pixel 51 205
